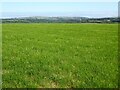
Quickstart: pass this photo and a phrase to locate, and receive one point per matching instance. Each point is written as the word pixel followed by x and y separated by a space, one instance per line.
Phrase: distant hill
pixel 39 19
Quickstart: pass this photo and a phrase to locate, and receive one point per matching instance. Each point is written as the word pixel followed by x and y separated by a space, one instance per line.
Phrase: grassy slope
pixel 60 55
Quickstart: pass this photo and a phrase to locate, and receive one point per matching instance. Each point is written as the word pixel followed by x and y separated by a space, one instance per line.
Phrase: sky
pixel 59 0
pixel 70 9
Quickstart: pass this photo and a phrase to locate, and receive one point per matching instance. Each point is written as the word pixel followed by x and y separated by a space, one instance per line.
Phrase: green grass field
pixel 60 55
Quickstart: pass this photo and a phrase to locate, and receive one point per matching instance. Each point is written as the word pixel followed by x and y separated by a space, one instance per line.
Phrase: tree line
pixel 61 20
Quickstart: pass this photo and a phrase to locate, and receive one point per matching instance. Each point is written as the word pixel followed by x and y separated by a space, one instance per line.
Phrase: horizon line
pixel 56 16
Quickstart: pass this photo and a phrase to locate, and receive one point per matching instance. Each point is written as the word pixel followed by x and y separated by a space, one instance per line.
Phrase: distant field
pixel 60 55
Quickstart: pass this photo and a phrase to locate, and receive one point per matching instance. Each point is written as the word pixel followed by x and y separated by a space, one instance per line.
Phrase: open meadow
pixel 60 55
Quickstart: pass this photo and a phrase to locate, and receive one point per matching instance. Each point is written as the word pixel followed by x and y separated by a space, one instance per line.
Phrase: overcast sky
pixel 81 9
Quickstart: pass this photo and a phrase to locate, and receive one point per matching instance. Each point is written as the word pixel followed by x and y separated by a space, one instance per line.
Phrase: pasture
pixel 60 55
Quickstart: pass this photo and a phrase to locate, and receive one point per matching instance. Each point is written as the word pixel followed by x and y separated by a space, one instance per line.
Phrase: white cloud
pixel 59 1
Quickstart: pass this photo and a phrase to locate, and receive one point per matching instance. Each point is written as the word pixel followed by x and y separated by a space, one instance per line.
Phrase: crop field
pixel 60 55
